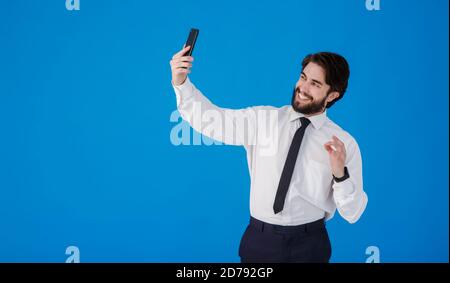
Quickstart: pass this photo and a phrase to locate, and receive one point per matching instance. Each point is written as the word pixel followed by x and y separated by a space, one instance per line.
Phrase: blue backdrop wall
pixel 85 102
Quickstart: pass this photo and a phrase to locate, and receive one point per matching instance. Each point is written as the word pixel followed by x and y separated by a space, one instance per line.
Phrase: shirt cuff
pixel 344 188
pixel 183 86
pixel 183 91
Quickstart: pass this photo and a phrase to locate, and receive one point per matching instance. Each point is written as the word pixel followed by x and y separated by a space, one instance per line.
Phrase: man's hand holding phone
pixel 181 62
pixel 181 66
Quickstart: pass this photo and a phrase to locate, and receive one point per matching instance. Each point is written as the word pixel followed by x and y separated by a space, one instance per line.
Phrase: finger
pixel 329 148
pixel 329 143
pixel 175 64
pixel 333 145
pixel 181 52
pixel 181 68
pixel 184 71
pixel 183 59
pixel 335 139
pixel 338 140
pixel 339 146
pixel 183 65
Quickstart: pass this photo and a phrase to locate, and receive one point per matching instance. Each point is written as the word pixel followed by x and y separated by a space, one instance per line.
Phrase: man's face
pixel 311 93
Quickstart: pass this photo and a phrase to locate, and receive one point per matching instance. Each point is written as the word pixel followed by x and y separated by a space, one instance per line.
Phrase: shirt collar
pixel 317 120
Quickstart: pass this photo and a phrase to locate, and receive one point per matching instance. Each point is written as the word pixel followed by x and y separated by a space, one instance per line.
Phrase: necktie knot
pixel 305 122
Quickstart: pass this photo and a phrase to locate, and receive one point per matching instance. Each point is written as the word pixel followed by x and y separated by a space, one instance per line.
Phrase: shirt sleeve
pixel 230 126
pixel 349 196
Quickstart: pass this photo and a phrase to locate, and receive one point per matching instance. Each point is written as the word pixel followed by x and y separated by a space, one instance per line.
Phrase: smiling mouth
pixel 303 97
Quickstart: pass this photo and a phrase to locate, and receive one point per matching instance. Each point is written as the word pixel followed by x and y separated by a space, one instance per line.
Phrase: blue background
pixel 85 101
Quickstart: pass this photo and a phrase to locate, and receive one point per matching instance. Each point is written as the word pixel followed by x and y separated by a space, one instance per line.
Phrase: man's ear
pixel 332 96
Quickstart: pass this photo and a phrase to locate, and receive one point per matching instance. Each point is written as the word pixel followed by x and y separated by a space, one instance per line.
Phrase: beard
pixel 309 108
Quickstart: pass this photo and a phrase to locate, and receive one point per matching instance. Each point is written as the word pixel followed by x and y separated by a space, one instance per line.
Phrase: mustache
pixel 297 91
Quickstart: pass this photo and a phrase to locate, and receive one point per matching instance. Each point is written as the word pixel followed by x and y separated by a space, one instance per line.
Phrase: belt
pixel 304 228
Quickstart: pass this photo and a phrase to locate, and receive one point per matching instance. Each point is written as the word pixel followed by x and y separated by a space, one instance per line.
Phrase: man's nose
pixel 303 88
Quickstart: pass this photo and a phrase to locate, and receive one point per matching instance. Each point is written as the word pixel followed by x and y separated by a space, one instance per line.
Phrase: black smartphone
pixel 192 38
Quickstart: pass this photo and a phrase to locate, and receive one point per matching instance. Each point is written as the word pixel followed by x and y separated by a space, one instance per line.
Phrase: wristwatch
pixel 343 178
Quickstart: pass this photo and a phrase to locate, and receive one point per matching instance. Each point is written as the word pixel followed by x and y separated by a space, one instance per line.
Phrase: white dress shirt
pixel 266 134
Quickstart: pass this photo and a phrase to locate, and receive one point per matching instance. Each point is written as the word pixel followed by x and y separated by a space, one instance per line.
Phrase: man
pixel 315 169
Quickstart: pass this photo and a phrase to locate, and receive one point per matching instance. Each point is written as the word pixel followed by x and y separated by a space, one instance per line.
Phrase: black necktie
pixel 289 165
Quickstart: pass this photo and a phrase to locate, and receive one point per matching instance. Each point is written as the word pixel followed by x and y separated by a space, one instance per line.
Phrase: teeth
pixel 301 96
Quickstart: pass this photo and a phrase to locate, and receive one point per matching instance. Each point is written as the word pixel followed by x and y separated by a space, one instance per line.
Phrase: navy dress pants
pixel 267 243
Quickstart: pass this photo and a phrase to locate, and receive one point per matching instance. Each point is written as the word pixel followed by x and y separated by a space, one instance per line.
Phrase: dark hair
pixel 336 69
